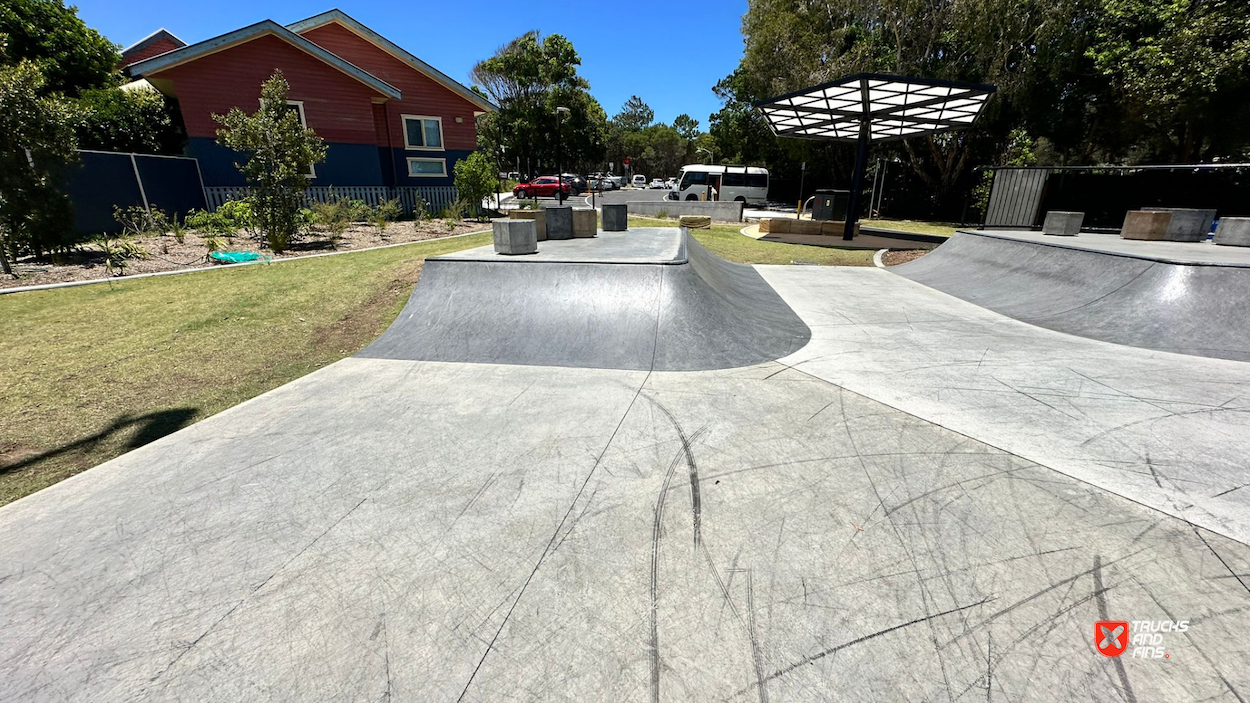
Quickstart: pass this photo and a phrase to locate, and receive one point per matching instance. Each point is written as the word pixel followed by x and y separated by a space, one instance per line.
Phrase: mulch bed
pixel 165 253
pixel 894 257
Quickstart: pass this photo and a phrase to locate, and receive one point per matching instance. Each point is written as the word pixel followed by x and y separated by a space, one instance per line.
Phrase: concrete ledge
pixel 719 211
pixel 1233 232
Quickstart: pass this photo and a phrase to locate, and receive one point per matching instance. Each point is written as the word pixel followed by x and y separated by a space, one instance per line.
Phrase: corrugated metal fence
pixel 433 198
pixel 1015 197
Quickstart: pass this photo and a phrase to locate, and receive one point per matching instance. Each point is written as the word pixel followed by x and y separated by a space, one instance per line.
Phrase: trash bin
pixel 830 204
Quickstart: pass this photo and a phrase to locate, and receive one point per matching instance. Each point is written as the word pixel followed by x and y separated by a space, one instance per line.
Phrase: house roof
pixel 193 52
pixel 343 19
pixel 152 38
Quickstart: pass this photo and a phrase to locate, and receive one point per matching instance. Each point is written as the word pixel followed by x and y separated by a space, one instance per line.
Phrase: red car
pixel 542 186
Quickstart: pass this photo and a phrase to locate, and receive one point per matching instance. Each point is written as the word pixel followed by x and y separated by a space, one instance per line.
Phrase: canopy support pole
pixel 857 182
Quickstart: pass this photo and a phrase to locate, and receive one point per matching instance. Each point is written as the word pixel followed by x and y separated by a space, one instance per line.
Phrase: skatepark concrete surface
pixel 847 522
pixel 1102 287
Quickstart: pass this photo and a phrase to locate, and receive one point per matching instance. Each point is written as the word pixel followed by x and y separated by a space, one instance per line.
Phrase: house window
pixel 427 168
pixel 422 132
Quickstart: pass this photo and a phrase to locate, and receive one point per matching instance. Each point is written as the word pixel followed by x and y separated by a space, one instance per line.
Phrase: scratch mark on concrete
pixel 1126 689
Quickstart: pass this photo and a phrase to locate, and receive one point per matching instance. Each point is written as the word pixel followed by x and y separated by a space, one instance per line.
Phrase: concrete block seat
pixel 1233 232
pixel 1063 224
pixel 560 222
pixel 514 237
pixel 615 217
pixel 585 223
pixel 1187 224
pixel 539 218
pixel 1146 224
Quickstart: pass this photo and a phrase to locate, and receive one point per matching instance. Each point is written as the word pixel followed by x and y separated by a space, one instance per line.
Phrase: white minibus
pixel 748 184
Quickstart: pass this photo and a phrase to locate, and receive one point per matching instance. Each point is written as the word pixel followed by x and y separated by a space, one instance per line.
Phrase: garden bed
pixel 165 253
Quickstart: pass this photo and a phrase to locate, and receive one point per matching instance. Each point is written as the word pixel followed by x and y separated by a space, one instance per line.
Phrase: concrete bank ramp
pixel 1191 309
pixel 687 310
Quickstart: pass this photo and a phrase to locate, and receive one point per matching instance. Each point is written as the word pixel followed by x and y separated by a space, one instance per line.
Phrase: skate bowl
pixel 1196 308
pixel 595 304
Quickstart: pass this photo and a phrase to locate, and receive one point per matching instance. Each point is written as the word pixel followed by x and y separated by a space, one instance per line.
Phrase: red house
pixel 388 118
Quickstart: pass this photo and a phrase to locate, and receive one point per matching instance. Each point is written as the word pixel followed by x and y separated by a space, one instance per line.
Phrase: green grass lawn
pixel 728 242
pixel 89 373
pixel 944 229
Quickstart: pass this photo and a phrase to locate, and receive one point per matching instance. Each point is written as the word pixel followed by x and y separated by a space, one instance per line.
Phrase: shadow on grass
pixel 149 428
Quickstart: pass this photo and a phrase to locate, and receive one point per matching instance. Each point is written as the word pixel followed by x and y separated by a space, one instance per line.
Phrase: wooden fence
pixel 434 199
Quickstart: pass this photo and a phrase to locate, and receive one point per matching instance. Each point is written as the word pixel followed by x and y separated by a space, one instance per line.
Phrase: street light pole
pixel 559 158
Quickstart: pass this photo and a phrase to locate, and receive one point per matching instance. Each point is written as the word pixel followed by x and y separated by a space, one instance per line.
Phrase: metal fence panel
pixel 435 199
pixel 1015 197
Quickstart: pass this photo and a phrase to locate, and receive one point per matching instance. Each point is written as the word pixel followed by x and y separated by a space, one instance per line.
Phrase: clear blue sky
pixel 628 47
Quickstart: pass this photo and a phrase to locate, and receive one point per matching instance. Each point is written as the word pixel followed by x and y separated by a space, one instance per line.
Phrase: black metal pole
pixel 559 165
pixel 857 183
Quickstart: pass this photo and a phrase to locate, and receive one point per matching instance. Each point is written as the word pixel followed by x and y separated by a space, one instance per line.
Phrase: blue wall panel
pixel 345 164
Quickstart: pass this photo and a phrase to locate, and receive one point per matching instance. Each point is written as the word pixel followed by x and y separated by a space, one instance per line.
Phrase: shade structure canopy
pixel 869 107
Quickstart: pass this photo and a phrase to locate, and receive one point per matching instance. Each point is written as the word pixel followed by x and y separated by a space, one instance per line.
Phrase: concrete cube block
pixel 1233 232
pixel 1145 224
pixel 1063 224
pixel 585 223
pixel 1187 224
pixel 560 222
pixel 615 217
pixel 513 236
pixel 538 216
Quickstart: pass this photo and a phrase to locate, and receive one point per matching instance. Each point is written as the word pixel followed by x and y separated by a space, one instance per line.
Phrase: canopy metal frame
pixel 873 107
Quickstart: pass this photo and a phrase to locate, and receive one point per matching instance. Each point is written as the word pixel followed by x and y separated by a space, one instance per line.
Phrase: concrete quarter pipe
pixel 683 309
pixel 1189 308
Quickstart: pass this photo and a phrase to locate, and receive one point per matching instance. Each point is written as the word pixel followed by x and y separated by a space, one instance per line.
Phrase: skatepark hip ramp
pixel 1194 307
pixel 595 304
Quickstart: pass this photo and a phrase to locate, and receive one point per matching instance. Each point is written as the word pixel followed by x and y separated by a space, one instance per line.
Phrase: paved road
pixel 927 501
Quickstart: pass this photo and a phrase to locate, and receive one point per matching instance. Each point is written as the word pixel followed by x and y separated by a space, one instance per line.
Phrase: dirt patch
pixel 894 257
pixel 165 253
pixel 361 325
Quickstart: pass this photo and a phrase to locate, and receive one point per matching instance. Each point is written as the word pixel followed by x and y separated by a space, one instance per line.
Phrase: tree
pixel 280 153
pixel 1183 71
pixel 36 136
pixel 635 115
pixel 529 78
pixel 686 126
pixel 475 179
pixel 138 120
pixel 72 56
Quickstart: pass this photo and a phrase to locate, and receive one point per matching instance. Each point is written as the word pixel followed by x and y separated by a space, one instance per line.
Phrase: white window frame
pixel 412 159
pixel 442 138
pixel 303 120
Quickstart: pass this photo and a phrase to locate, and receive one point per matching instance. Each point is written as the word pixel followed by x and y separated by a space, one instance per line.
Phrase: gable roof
pixel 152 38
pixel 341 18
pixel 193 52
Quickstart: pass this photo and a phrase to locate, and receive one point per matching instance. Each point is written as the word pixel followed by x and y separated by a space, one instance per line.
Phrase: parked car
pixel 580 185
pixel 543 186
pixel 639 181
pixel 657 183
pixel 618 182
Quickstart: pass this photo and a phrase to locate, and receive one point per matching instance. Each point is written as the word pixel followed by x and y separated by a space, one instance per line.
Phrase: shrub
pixel 475 179
pixel 141 120
pixel 280 153
pixel 386 212
pixel 137 220
pixel 118 251
pixel 214 243
pixel 335 215
pixel 209 223
pixel 239 213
